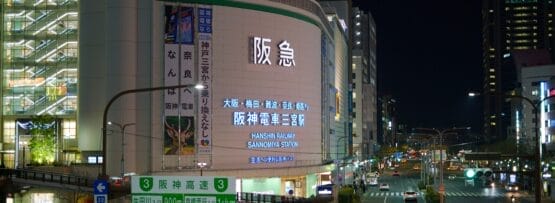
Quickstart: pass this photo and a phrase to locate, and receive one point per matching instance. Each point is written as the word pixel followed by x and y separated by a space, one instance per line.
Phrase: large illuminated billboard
pixel 266 90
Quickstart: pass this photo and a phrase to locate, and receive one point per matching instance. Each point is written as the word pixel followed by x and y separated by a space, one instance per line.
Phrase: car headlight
pixel 516 188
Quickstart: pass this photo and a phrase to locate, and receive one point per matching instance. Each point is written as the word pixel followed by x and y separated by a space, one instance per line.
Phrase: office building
pixel 510 25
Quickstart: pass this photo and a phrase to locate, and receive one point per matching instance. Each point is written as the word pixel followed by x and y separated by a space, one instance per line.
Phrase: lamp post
pixel 113 99
pixel 122 130
pixel 440 133
pixel 536 105
pixel 201 165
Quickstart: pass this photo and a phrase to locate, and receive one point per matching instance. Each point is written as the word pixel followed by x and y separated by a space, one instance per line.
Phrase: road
pixel 455 190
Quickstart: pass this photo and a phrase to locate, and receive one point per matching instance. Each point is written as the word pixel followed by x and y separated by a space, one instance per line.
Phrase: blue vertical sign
pixel 101 189
pixel 205 20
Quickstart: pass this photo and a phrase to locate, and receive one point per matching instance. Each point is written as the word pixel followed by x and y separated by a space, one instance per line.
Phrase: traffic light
pixel 478 172
pixel 469 173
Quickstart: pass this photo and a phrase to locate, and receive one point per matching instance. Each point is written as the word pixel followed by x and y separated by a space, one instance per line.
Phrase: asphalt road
pixel 455 190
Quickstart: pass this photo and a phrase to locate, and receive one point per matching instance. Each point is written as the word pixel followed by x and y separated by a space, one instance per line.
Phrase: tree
pixel 43 139
pixel 386 151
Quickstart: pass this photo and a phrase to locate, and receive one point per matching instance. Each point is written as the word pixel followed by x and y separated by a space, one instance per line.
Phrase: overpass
pixel 494 156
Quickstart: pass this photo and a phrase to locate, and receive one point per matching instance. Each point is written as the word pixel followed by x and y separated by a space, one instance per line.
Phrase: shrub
pixel 347 194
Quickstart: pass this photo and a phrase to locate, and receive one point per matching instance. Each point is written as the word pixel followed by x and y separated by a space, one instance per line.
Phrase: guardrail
pixel 264 198
pixel 46 176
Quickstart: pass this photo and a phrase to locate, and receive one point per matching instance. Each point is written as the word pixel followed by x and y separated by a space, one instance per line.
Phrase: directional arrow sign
pixel 100 187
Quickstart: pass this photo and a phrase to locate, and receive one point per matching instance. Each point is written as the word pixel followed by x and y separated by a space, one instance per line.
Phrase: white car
pixel 409 195
pixel 384 186
pixel 372 181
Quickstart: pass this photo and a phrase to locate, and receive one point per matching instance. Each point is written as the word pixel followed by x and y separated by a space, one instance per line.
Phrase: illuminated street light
pixel 201 165
pixel 440 134
pixel 118 95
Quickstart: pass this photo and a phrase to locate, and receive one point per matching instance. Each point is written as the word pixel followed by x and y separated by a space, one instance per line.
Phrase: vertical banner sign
pixel 205 77
pixel 179 69
pixel 187 100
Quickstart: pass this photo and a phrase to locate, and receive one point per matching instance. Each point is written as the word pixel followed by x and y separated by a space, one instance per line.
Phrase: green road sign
pixel 181 189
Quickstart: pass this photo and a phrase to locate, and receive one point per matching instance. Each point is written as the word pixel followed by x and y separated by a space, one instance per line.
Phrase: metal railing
pixel 265 198
pixel 46 176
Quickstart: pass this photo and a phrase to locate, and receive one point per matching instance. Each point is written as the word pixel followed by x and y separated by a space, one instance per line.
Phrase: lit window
pixel 358 42
pixel 354 95
pixel 493 123
pixel 492 83
pixel 535 92
pixel 492 76
pixel 491 70
pixel 358 33
pixel 358 15
pixel 69 129
pixel 9 132
pixel 358 23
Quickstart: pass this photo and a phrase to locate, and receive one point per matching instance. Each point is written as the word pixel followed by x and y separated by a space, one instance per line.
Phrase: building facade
pixel 364 84
pixel 510 25
pixel 270 72
pixel 39 64
pixel 537 84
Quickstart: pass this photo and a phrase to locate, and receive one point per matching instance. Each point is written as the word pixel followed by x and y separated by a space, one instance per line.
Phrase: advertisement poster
pixel 170 29
pixel 178 25
pixel 185 25
pixel 179 136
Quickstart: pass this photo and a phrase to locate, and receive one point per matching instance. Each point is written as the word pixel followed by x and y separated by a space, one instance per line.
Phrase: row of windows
pixel 69 130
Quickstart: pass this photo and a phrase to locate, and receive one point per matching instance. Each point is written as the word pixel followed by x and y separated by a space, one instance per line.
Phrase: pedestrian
pixel 363 186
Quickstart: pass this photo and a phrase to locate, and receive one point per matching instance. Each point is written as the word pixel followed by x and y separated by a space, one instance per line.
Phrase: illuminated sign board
pixel 262 50
pixel 258 112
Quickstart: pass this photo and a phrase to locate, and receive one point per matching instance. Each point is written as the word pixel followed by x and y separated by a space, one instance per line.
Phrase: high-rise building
pixel 388 118
pixel 510 25
pixel 364 84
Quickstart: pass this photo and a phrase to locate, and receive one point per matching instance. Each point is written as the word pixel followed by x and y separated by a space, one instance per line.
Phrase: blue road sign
pixel 100 198
pixel 100 187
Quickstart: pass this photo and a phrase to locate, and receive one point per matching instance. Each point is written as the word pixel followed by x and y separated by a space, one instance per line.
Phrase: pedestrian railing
pixel 46 176
pixel 265 198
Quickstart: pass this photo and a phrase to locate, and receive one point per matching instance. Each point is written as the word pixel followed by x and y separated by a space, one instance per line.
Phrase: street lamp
pixel 122 130
pixel 536 104
pixel 441 133
pixel 105 115
pixel 201 165
pixel 536 107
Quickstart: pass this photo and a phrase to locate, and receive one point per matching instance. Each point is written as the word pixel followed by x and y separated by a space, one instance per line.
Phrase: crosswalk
pixel 389 194
pixel 448 194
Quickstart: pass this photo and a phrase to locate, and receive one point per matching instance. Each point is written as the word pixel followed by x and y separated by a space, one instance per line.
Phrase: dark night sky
pixel 429 57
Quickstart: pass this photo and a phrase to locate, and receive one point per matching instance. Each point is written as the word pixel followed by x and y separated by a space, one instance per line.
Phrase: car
pixel 372 181
pixel 512 187
pixel 409 195
pixel 395 173
pixel 452 177
pixel 384 186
